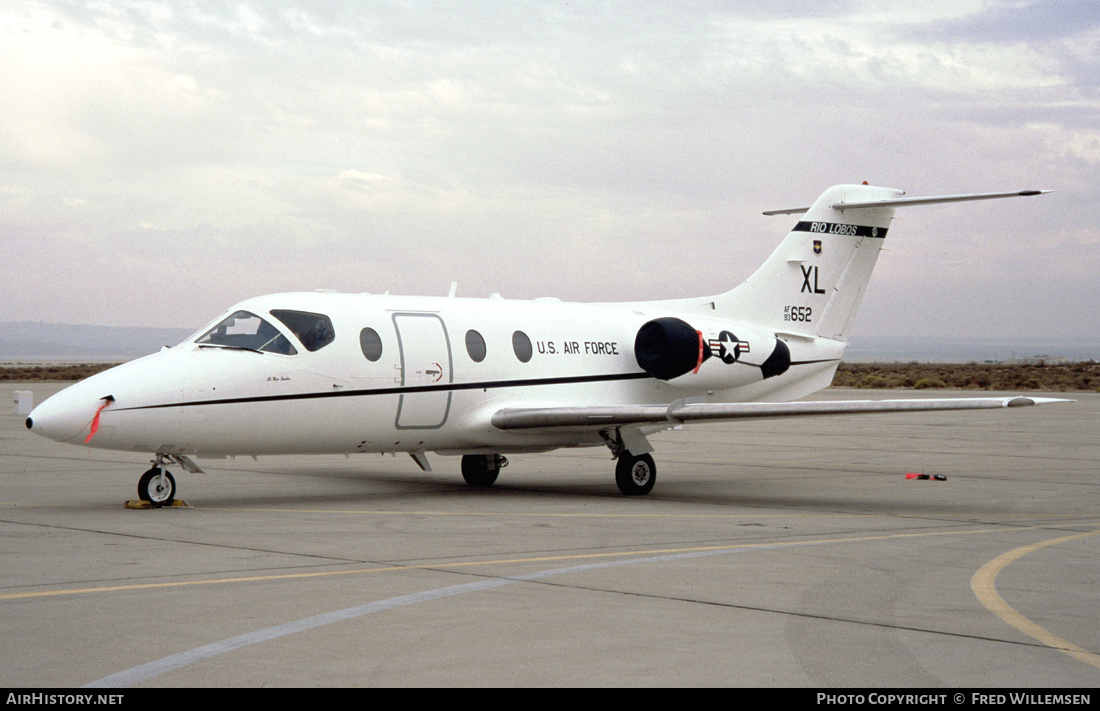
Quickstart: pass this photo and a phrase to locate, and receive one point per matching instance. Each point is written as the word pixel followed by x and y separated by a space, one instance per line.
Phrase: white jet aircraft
pixel 324 373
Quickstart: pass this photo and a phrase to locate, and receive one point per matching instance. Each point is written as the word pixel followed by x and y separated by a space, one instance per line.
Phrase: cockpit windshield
pixel 247 331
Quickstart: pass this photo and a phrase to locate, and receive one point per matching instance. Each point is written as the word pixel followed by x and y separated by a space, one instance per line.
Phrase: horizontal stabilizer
pixel 905 202
pixel 680 412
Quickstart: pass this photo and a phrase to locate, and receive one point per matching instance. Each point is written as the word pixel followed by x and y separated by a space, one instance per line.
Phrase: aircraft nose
pixel 64 416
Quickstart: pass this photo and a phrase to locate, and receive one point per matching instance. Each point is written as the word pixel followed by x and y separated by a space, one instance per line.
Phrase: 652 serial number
pixel 797 313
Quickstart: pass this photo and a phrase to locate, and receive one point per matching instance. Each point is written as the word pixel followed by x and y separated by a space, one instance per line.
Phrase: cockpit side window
pixel 247 331
pixel 315 331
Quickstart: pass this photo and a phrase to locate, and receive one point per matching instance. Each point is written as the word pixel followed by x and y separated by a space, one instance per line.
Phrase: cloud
pixel 623 150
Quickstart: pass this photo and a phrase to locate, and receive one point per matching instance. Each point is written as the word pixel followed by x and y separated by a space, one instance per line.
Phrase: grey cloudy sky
pixel 160 161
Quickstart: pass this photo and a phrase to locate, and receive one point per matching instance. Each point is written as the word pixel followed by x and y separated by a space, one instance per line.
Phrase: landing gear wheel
pixel 481 470
pixel 635 475
pixel 157 487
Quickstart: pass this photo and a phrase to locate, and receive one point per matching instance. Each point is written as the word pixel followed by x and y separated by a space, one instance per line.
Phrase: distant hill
pixel 31 340
pixel 946 349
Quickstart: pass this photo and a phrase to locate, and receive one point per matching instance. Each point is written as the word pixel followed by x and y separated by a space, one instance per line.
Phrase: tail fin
pixel 813 283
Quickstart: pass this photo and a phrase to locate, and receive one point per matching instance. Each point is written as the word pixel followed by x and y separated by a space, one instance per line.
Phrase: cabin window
pixel 475 346
pixel 247 331
pixel 521 344
pixel 315 331
pixel 371 344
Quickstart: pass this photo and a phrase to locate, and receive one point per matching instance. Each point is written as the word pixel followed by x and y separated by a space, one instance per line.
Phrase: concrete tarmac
pixel 784 553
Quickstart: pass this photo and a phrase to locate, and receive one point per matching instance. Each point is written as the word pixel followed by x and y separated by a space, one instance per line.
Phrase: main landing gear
pixel 635 475
pixel 481 470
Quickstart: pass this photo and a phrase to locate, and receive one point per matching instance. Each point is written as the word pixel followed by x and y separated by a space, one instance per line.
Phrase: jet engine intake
pixel 668 347
pixel 710 355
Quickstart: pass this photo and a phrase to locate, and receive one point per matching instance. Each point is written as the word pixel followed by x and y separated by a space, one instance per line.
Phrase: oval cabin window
pixel 475 346
pixel 521 344
pixel 371 343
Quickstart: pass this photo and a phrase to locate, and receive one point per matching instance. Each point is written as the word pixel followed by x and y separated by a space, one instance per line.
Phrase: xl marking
pixel 806 273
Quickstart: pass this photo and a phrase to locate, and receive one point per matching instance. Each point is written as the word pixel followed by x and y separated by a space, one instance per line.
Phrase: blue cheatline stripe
pixel 400 390
pixel 183 659
pixel 414 389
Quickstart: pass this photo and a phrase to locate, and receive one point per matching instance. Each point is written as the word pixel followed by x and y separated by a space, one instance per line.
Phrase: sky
pixel 160 161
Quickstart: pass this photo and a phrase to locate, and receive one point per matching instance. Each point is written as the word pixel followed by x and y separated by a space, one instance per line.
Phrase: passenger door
pixel 425 369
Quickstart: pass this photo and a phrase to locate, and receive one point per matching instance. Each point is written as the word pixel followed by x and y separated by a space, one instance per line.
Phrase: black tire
pixel 157 491
pixel 480 470
pixel 635 475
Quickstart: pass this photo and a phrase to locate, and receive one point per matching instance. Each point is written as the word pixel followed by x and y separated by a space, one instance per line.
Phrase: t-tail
pixel 813 283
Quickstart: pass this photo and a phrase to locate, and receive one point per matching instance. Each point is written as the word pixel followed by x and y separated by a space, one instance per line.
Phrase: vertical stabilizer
pixel 813 283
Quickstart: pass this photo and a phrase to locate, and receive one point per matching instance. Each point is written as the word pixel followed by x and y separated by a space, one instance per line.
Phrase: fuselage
pixel 323 372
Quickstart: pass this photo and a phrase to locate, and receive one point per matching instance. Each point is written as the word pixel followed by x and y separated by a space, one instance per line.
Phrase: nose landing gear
pixel 157 486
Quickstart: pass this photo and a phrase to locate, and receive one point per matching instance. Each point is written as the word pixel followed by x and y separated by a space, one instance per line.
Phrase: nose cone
pixel 68 415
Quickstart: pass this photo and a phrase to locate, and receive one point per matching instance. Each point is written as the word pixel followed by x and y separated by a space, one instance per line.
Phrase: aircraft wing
pixel 680 412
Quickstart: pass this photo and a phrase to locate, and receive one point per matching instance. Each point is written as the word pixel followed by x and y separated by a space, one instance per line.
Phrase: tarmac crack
pixel 793 613
pixel 328 560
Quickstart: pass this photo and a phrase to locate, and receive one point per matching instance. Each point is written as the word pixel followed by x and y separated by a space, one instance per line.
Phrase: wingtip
pixel 1022 401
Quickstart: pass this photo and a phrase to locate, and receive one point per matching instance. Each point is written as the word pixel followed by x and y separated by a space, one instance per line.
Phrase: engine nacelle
pixel 709 355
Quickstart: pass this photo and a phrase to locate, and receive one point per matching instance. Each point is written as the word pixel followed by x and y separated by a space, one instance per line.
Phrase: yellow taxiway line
pixel 983 585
